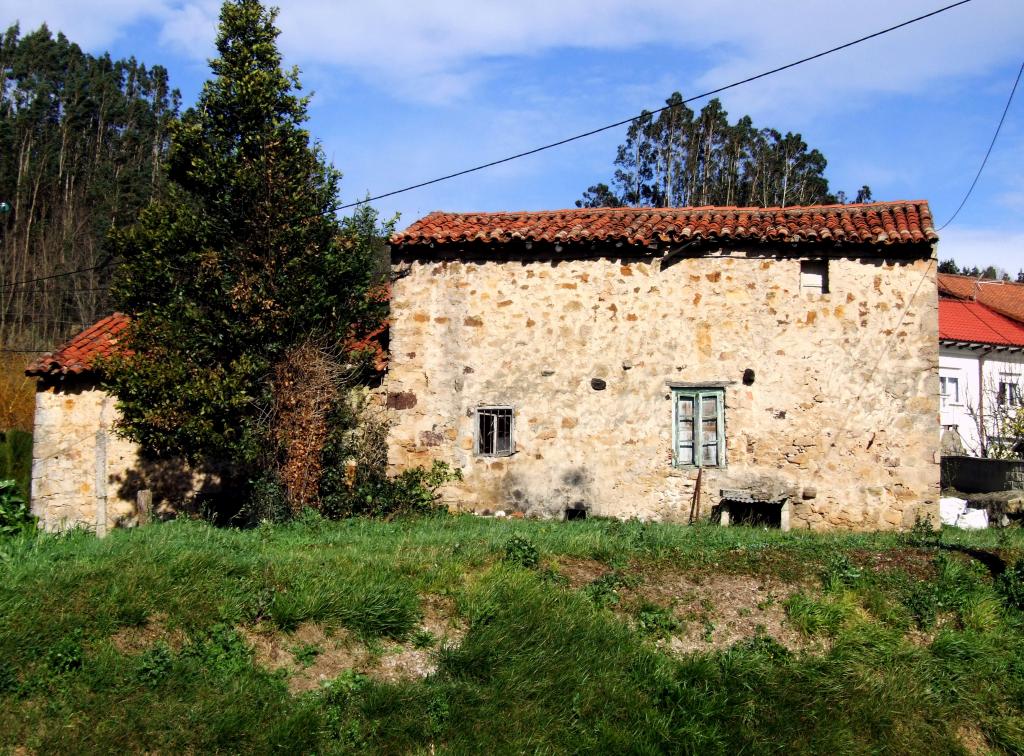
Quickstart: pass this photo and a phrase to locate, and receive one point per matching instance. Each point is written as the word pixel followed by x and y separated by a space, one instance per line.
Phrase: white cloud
pixel 983 247
pixel 93 24
pixel 438 50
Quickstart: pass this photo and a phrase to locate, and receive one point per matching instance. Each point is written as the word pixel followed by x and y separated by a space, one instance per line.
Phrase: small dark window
pixel 814 276
pixel 494 431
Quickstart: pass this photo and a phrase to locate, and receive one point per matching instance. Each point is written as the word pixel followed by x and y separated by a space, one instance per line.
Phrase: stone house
pixel 777 366
pixel 981 362
pixel 609 362
pixel 83 473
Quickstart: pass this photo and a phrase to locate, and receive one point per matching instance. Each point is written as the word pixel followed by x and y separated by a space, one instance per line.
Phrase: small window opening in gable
pixel 699 427
pixel 814 276
pixel 494 431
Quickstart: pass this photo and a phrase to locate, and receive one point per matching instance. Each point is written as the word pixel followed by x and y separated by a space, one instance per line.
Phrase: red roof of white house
pixel 1004 297
pixel 964 320
pixel 881 223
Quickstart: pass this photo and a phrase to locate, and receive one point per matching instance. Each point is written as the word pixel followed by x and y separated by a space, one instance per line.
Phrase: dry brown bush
pixel 17 392
pixel 306 387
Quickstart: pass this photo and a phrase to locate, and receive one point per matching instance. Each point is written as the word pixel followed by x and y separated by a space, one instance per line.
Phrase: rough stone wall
pixel 80 467
pixel 842 414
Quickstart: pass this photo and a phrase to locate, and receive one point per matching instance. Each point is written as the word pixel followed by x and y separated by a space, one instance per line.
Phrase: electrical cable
pixel 625 121
pixel 992 144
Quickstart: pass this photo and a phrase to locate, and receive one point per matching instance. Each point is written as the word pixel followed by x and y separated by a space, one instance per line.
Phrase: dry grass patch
pixel 719 610
pixel 139 638
pixel 579 571
pixel 313 654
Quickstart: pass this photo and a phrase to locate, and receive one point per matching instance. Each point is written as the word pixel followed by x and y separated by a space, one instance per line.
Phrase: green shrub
pixel 655 620
pixel 1011 585
pixel 521 551
pixel 66 654
pixel 604 591
pixel 15 516
pixel 413 491
pixel 16 458
pixel 154 665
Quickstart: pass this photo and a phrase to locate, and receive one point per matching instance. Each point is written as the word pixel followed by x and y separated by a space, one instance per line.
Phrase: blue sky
pixel 408 90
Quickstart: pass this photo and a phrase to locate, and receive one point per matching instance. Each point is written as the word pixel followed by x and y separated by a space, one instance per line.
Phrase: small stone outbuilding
pixel 83 473
pixel 605 361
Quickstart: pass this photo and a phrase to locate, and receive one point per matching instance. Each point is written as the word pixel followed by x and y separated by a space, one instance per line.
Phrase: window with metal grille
pixel 494 431
pixel 1009 392
pixel 699 427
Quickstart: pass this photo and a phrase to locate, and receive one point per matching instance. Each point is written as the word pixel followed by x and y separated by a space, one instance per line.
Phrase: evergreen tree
pixel 949 266
pixel 1020 276
pixel 682 158
pixel 241 263
pixel 82 144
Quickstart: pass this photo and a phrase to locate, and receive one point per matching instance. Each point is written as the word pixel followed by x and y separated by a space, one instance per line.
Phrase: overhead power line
pixel 988 152
pixel 625 121
pixel 11 284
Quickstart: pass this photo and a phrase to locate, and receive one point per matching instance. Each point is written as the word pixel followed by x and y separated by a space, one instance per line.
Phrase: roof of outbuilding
pixel 884 223
pixel 962 320
pixel 80 353
pixel 1004 297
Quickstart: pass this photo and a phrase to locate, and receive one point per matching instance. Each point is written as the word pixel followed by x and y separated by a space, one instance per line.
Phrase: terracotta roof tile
pixel 885 223
pixel 1004 297
pixel 77 356
pixel 101 339
pixel 961 320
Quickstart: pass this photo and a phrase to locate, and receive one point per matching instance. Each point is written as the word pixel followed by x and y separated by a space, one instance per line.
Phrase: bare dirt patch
pixel 579 571
pixel 136 639
pixel 915 562
pixel 721 609
pixel 313 655
pixel 973 739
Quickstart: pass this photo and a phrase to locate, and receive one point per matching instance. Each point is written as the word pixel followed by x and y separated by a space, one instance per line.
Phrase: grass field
pixel 469 635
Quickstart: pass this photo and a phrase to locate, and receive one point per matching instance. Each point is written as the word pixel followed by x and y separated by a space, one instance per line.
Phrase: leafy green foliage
pixel 16 459
pixel 415 490
pixel 656 620
pixel 682 158
pixel 241 261
pixel 521 552
pixel 15 516
pixel 1011 585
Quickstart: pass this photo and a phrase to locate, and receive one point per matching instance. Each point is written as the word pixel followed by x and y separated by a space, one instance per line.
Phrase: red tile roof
pixel 100 340
pixel 961 320
pixel 1004 297
pixel 885 223
pixel 78 355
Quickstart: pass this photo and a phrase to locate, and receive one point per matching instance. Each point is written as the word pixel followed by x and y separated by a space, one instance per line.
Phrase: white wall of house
pixel 978 385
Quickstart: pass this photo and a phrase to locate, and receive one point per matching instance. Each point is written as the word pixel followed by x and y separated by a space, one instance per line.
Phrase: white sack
pixel 950 508
pixel 973 519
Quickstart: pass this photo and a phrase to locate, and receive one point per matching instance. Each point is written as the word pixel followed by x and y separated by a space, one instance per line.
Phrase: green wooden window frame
pixel 698 427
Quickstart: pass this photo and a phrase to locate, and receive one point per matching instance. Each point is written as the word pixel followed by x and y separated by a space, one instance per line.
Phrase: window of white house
pixel 699 427
pixel 949 389
pixel 1009 392
pixel 814 276
pixel 494 431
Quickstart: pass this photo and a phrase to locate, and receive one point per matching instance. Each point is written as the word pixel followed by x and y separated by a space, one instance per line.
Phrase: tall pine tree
pixel 241 262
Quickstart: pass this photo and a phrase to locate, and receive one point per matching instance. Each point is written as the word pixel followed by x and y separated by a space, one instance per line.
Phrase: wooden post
pixel 144 506
pixel 101 482
pixel 695 504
